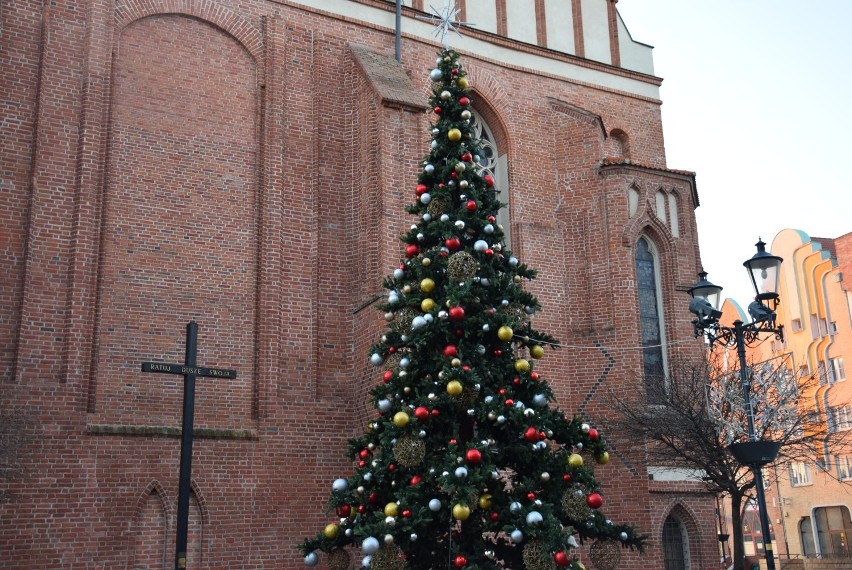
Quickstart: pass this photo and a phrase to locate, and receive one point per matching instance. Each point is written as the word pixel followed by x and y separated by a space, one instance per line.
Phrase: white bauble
pixel 465 114
pixel 481 350
pixel 366 561
pixel 429 169
pixel 436 131
pixel 489 229
pixel 485 282
pixel 393 297
pixel 585 428
pixel 445 218
pixel 376 359
pixel 384 405
pixel 623 536
pixel 418 323
pixel 436 74
pixel 404 362
pixel 428 317
pixel 427 217
pixel 486 327
pixel 311 559
pixel 413 537
pixel 480 245
pixel 442 314
pixel 425 198
pixel 390 521
pixel 434 505
pixel 370 545
pixel 459 224
pixel 434 145
pixel 368 476
pixel 501 419
pixel 461 472
pixel 540 400
pixel 534 517
pixel 517 536
pixel 463 184
pixel 515 507
pixel 545 477
pixel 513 261
pixel 446 95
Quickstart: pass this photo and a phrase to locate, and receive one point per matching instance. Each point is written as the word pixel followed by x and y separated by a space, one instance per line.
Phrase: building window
pixel 796 325
pixel 753 532
pixel 833 527
pixel 844 468
pixel 493 162
pixel 832 327
pixel 650 320
pixel 837 371
pixel 800 474
pixel 675 544
pixel 806 535
pixel 840 418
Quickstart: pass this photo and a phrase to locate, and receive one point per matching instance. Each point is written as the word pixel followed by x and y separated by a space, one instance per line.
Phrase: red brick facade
pixel 247 165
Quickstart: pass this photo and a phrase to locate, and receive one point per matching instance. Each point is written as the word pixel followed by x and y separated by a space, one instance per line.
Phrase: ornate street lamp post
pixel 763 269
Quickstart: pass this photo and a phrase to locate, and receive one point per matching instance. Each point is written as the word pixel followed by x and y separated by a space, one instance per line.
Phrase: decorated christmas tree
pixel 468 462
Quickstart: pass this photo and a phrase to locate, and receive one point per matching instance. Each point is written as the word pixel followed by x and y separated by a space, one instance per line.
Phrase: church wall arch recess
pixel 186 149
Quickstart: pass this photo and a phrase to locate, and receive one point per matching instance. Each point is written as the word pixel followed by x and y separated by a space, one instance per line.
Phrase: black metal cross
pixel 189 370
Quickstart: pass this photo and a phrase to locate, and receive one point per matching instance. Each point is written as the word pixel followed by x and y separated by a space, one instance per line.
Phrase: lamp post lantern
pixel 763 269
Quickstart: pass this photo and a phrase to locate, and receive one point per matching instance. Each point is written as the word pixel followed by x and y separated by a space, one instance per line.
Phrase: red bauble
pixel 501 391
pixel 593 434
pixel 594 501
pixel 567 477
pixel 561 559
pixel 364 453
pixel 362 464
pixel 406 513
pixel 421 189
pixel 421 413
pixel 454 174
pixel 516 381
pixel 416 479
pixel 452 243
pixel 454 71
pixel 459 332
pixel 412 250
pixel 542 436
pixel 391 467
pixel 374 498
pixel 464 101
pixel 460 561
pixel 534 375
pixel 453 441
pixel 437 110
pixel 392 350
pixel 495 517
pixel 510 402
pixel 489 181
pixel 343 511
pixel 435 412
pixel 467 157
pixel 456 313
pixel 531 435
pixel 498 352
pixel 489 252
pixel 492 219
pixel 471 206
pixel 531 496
pixel 473 456
pixel 450 351
pixel 387 376
pixel 362 509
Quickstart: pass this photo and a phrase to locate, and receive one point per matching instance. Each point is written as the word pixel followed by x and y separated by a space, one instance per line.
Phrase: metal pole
pixel 745 375
pixel 397 39
pixel 186 447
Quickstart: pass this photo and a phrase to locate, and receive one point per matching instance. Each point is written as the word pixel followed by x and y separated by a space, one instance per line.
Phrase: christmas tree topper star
pixel 445 22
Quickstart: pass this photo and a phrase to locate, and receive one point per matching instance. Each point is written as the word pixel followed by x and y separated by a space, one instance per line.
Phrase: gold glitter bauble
pixel 387 558
pixel 605 554
pixel 574 505
pixel 409 451
pixel 438 206
pixel 461 266
pixel 402 319
pixel 338 560
pixel 536 556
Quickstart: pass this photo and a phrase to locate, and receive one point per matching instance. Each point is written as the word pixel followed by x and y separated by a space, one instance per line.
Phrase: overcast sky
pixel 756 100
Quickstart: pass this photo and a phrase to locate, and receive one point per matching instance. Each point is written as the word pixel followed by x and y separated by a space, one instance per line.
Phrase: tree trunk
pixel 737 532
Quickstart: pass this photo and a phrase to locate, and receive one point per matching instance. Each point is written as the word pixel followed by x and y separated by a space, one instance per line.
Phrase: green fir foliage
pixel 467 460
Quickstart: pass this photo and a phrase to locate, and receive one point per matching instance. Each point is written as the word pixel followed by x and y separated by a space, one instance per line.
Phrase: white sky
pixel 757 100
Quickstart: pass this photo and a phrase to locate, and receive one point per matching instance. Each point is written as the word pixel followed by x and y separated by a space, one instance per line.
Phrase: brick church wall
pixel 238 163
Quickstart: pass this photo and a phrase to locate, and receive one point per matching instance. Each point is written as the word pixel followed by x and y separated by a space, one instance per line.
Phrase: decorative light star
pixel 445 22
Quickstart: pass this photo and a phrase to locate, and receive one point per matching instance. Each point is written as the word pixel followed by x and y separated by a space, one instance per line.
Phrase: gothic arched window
pixel 493 161
pixel 650 319
pixel 675 544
